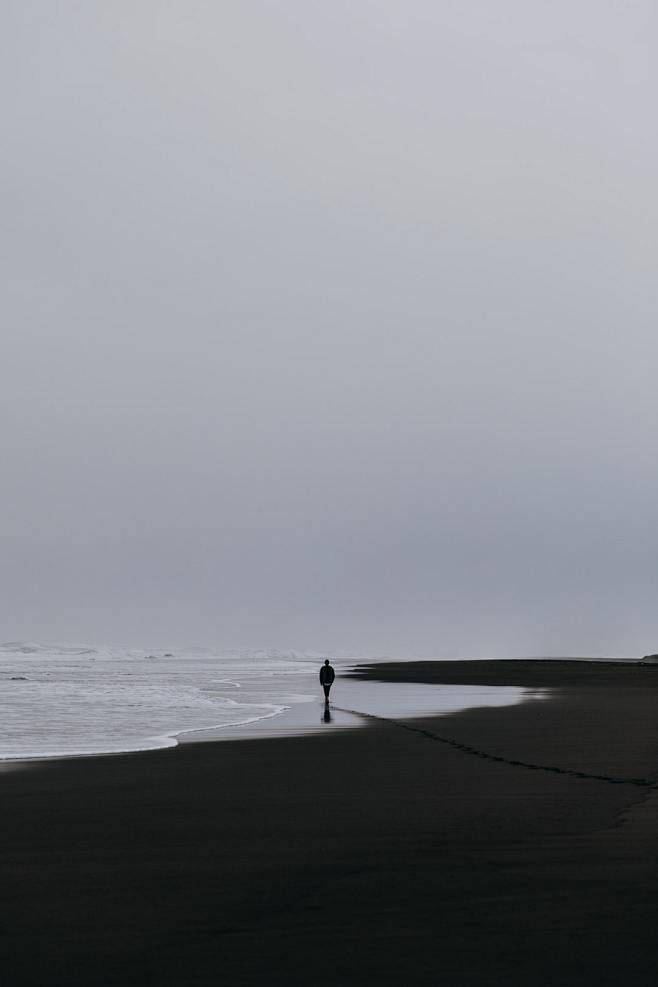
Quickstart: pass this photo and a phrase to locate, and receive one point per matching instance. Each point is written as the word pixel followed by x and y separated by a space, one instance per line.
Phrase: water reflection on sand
pixel 406 700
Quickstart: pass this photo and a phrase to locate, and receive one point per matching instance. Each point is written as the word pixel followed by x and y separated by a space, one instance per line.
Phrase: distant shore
pixel 509 845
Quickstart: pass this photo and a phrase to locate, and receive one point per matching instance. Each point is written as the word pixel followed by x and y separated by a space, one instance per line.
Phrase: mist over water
pixel 330 326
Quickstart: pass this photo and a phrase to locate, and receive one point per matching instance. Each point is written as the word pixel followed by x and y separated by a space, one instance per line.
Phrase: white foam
pixel 66 700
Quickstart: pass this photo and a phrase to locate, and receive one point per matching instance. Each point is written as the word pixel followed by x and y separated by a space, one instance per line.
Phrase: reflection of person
pixel 327 676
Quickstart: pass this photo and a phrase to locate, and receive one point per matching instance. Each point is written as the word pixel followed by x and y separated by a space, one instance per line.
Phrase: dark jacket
pixel 327 675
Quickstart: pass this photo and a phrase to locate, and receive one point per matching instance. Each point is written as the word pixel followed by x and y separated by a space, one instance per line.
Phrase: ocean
pixel 67 700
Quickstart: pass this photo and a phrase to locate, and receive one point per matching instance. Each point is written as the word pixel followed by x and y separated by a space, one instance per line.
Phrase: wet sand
pixel 513 845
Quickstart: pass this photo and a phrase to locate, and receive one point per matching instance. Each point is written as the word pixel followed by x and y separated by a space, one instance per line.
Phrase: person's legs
pixel 326 692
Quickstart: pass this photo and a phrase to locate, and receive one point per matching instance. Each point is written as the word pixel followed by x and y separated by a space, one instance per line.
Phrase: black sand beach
pixel 514 845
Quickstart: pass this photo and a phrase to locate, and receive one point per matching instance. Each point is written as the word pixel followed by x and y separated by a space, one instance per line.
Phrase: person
pixel 327 676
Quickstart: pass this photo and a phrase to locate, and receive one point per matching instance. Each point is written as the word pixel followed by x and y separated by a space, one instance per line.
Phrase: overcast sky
pixel 330 324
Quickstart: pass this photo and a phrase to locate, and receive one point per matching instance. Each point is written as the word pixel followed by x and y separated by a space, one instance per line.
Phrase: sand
pixel 374 856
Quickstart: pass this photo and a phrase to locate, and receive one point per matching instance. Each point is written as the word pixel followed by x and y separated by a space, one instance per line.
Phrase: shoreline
pixel 366 856
pixel 296 719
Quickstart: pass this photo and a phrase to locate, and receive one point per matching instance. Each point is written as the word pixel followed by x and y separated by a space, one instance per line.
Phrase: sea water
pixel 67 700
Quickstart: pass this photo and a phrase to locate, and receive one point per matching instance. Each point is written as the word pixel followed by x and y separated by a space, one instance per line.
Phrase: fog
pixel 330 325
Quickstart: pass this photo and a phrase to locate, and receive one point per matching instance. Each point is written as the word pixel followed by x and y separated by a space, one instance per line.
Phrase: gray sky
pixel 330 324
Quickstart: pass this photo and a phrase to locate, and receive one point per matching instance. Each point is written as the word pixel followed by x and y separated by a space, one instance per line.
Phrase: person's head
pixel 326 661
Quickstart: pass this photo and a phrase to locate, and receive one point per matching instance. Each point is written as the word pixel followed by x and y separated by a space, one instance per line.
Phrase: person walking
pixel 327 676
